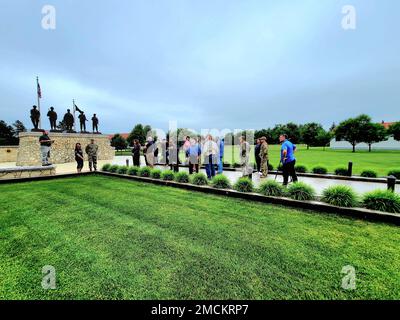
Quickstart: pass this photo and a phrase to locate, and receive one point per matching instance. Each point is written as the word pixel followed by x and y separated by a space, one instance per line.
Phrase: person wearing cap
pixel 244 153
pixel 264 157
pixel 45 145
pixel 288 159
pixel 91 150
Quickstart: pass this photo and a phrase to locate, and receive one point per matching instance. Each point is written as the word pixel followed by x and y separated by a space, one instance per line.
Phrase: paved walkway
pixel 318 183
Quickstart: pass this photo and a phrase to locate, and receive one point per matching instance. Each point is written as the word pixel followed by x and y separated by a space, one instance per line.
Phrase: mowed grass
pixel 117 239
pixel 379 161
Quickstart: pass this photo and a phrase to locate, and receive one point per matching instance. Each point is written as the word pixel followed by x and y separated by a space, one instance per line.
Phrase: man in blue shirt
pixel 221 155
pixel 288 159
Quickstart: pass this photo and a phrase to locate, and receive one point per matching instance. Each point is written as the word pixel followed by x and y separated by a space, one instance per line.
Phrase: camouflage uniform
pixel 264 159
pixel 91 151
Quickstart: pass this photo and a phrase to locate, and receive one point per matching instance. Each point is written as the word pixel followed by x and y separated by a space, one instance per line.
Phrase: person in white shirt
pixel 210 151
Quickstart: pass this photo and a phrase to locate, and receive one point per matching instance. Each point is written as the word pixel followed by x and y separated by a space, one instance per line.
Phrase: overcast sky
pixel 205 64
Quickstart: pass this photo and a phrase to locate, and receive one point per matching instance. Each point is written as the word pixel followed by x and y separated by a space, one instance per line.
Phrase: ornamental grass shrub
pixel 106 167
pixel 199 179
pixel 113 168
pixel 341 196
pixel 122 170
pixel 133 171
pixel 167 175
pixel 182 177
pixel 155 173
pixel 244 185
pixel 271 188
pixel 221 182
pixel 382 200
pixel 301 191
pixel 144 172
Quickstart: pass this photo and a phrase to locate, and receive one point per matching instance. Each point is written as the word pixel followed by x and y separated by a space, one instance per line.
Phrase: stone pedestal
pixel 62 150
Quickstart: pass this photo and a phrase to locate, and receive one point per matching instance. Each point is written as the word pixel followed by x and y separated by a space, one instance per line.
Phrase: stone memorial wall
pixel 62 151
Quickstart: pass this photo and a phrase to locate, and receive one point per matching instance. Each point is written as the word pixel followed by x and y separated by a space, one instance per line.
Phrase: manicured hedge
pixel 342 171
pixel 369 174
pixel 301 169
pixel 320 170
pixel 395 173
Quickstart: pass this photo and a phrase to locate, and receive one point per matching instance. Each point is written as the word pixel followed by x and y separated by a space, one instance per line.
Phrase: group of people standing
pixel 91 151
pixel 211 154
pixel 287 158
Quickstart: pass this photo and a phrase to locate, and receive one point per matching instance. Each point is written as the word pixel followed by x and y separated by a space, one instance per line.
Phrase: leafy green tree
pixel 8 135
pixel 374 132
pixel 353 130
pixel 19 126
pixel 323 138
pixel 394 130
pixel 119 142
pixel 309 133
pixel 137 132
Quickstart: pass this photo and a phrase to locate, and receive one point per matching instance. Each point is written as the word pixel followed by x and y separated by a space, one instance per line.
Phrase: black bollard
pixel 127 162
pixel 391 183
pixel 350 169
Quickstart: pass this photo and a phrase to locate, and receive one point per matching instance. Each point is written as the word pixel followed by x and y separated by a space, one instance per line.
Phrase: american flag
pixel 39 91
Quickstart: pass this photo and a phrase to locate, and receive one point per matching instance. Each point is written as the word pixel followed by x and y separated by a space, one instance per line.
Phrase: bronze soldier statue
pixel 53 118
pixel 35 117
pixel 82 120
pixel 95 123
pixel 69 120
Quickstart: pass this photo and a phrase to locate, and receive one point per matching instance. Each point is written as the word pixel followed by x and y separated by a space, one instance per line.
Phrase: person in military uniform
pixel 95 123
pixel 69 120
pixel 82 120
pixel 264 157
pixel 53 118
pixel 35 117
pixel 244 152
pixel 91 150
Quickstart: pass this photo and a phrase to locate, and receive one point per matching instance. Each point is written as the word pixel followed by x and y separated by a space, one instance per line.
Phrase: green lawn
pixel 379 161
pixel 117 239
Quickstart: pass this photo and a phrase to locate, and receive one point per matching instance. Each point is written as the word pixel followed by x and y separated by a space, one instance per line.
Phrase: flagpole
pixel 38 100
pixel 73 108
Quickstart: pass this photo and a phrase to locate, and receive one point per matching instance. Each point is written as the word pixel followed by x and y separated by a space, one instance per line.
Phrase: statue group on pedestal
pixel 68 120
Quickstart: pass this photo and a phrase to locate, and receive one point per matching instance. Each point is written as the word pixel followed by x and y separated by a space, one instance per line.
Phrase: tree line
pixel 9 133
